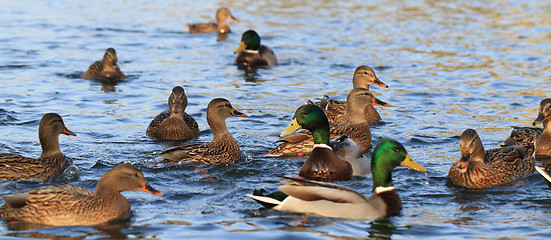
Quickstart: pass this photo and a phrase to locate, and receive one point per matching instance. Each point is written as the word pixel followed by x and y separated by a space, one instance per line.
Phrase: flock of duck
pixel 347 123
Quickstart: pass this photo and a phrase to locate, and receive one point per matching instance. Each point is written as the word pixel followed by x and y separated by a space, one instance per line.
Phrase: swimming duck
pixel 357 129
pixel 220 26
pixel 336 110
pixel 67 205
pixel 105 69
pixel 534 139
pixel 331 200
pixel 251 53
pixel 51 162
pixel 480 169
pixel 174 123
pixel 222 149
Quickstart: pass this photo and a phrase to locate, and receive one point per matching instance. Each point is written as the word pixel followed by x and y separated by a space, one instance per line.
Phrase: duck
pixel 67 205
pixel 349 151
pixel 336 201
pixel 481 169
pixel 535 139
pixel 174 123
pixel 220 26
pixel 222 149
pixel 15 167
pixel 358 128
pixel 251 53
pixel 364 76
pixel 105 69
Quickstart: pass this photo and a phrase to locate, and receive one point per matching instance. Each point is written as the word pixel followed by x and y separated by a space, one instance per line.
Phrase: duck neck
pixel 356 112
pixel 218 126
pixel 321 135
pixel 49 144
pixel 546 126
pixel 382 173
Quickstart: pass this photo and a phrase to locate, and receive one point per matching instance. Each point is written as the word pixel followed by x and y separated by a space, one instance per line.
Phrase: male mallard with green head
pixel 220 26
pixel 222 149
pixel 331 200
pixel 105 69
pixel 480 169
pixel 251 53
pixel 174 123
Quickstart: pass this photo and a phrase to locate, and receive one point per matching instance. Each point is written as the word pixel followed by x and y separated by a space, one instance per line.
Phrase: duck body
pixel 67 205
pixel 220 26
pixel 174 124
pixel 222 149
pixel 252 53
pixel 105 69
pixel 14 167
pixel 481 169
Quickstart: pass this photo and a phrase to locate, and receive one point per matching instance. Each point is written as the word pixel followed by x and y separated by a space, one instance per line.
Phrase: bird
pixel 105 69
pixel 332 200
pixel 67 205
pixel 336 110
pixel 14 167
pixel 357 129
pixel 220 26
pixel 251 53
pixel 349 151
pixel 536 140
pixel 481 169
pixel 222 149
pixel 174 123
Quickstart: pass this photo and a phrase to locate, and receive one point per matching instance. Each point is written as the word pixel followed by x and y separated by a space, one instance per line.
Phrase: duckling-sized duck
pixel 358 128
pixel 336 110
pixel 331 200
pixel 534 139
pixel 174 123
pixel 67 205
pixel 222 149
pixel 105 69
pixel 251 53
pixel 480 169
pixel 220 26
pixel 14 167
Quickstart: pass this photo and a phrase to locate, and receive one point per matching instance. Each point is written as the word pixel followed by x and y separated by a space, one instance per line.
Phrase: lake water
pixel 450 65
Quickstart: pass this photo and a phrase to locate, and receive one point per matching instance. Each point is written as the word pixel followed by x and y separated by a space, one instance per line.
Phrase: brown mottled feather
pixel 107 68
pixel 220 26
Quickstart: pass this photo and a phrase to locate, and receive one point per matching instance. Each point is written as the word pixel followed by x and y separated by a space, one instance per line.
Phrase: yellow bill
pixel 291 128
pixel 408 162
pixel 242 46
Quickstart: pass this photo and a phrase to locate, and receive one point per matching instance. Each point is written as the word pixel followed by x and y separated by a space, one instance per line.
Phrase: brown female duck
pixel 222 149
pixel 358 128
pixel 220 26
pixel 174 123
pixel 251 53
pixel 105 69
pixel 50 163
pixel 67 205
pixel 336 110
pixel 534 139
pixel 480 169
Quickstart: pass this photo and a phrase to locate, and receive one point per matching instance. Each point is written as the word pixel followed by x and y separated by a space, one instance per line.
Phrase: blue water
pixel 450 65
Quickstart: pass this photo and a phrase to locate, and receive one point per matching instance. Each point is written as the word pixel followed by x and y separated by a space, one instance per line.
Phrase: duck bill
pixel 379 83
pixel 233 18
pixel 380 103
pixel 463 163
pixel 408 162
pixel 241 47
pixel 236 113
pixel 68 132
pixel 539 119
pixel 293 126
pixel 149 189
pixel 176 108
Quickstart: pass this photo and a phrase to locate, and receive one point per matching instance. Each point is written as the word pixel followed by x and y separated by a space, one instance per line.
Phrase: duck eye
pixel 396 149
pixel 365 72
pixel 305 112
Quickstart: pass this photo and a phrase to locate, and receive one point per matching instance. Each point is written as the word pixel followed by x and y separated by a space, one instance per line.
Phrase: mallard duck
pixel 480 169
pixel 357 129
pixel 222 149
pixel 50 163
pixel 534 139
pixel 174 123
pixel 331 200
pixel 67 205
pixel 105 69
pixel 220 26
pixel 336 110
pixel 251 53
pixel 349 151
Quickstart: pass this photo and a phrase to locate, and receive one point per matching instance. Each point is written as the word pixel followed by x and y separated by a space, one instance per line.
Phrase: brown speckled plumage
pixel 222 149
pixel 70 205
pixel 50 163
pixel 105 69
pixel 480 169
pixel 220 26
pixel 174 123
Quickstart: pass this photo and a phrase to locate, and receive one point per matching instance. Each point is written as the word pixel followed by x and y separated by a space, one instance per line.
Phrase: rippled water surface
pixel 450 65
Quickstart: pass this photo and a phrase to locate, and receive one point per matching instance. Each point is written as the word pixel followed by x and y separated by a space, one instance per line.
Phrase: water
pixel 450 65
